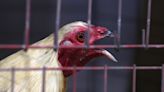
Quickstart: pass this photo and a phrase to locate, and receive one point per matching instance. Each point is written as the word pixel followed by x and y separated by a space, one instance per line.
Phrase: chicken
pixel 69 35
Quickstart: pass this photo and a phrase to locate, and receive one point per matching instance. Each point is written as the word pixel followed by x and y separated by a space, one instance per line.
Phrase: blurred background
pixel 104 13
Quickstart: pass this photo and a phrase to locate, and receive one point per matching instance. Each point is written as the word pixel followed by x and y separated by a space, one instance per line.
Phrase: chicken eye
pixel 80 37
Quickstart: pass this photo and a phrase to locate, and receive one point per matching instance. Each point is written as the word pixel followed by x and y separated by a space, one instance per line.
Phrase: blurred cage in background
pixel 117 45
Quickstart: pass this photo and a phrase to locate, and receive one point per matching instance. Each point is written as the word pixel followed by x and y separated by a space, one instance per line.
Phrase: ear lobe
pixel 67 43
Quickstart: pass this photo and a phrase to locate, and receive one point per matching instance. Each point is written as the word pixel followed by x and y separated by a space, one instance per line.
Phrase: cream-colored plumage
pixel 26 81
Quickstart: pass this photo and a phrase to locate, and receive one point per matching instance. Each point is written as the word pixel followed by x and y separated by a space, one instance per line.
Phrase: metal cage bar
pixel 89 21
pixel 145 40
pixel 119 20
pixel 105 79
pixel 123 46
pixel 74 79
pixel 134 68
pixel 27 24
pixel 57 23
pixel 143 37
pixel 94 68
pixel 43 79
pixel 148 23
pixel 162 79
pixel 134 79
pixel 12 79
pixel 105 68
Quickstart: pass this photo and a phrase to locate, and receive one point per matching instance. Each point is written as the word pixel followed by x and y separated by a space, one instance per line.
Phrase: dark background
pixel 12 23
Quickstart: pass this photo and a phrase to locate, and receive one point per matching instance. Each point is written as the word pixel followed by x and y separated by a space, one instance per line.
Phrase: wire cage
pixel 117 44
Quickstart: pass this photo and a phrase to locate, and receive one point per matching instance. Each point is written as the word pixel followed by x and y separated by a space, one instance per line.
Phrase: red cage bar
pixel 125 46
pixel 86 68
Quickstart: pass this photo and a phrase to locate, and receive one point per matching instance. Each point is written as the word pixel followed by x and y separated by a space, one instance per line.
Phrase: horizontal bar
pixel 11 46
pixel 87 68
pixel 17 46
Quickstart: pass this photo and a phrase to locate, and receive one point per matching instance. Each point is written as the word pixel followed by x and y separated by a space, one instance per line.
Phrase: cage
pixel 137 43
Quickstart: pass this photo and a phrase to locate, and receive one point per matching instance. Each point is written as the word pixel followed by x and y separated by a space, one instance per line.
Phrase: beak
pixel 107 53
pixel 92 53
pixel 109 33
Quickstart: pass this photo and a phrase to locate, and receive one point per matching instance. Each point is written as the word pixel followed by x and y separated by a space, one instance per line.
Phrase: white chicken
pixel 71 34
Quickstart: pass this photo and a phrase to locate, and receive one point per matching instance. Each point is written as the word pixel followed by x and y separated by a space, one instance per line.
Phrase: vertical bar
pixel 43 79
pixel 89 11
pixel 119 20
pixel 134 79
pixel 148 23
pixel 105 78
pixel 143 37
pixel 162 78
pixel 74 79
pixel 27 24
pixel 58 12
pixel 12 79
pixel 89 23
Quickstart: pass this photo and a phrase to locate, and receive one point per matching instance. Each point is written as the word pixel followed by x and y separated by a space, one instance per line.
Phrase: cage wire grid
pixel 105 68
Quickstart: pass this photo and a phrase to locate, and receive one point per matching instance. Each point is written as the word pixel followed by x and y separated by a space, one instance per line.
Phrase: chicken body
pixel 31 81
